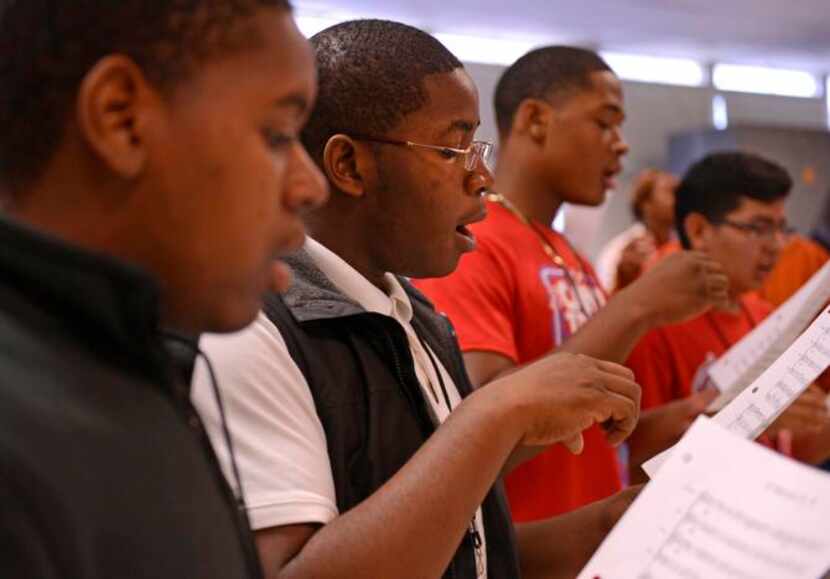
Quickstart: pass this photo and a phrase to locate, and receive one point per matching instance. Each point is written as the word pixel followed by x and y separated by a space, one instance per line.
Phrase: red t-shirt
pixel 667 359
pixel 508 297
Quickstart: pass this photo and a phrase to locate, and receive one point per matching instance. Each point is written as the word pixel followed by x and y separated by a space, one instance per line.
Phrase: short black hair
pixel 715 185
pixel 544 73
pixel 370 76
pixel 48 46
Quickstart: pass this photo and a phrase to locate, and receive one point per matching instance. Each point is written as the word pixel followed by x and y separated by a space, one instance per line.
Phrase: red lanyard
pixel 719 331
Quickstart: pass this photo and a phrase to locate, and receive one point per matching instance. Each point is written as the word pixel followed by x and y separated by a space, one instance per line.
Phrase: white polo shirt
pixel 279 441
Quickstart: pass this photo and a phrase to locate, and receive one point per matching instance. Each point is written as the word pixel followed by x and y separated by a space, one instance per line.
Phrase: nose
pixel 779 239
pixel 621 147
pixel 479 180
pixel 307 187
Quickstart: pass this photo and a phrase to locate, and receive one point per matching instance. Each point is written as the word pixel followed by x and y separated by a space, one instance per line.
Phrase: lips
pixel 609 177
pixel 463 228
pixel 465 231
pixel 465 222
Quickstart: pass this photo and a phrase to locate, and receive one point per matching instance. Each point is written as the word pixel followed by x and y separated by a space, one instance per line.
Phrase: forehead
pixel 452 99
pixel 604 91
pixel 276 69
pixel 749 208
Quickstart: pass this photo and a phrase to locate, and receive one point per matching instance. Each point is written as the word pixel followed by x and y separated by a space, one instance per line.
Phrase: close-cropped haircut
pixel 48 46
pixel 544 73
pixel 715 185
pixel 370 76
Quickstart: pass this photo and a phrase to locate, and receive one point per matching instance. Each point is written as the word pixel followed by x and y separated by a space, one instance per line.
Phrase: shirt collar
pixel 356 287
pixel 110 304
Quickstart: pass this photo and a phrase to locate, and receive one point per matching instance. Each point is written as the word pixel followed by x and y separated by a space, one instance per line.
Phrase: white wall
pixel 654 114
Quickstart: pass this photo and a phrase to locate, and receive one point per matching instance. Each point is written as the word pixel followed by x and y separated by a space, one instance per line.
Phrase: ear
pixel 698 230
pixel 344 164
pixel 110 113
pixel 533 119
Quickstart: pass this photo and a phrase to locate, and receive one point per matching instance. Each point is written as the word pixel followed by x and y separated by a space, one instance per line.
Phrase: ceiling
pixel 794 33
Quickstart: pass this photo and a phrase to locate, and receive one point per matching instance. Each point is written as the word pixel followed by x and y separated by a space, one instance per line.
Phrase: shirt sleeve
pixel 650 361
pixel 279 442
pixel 479 299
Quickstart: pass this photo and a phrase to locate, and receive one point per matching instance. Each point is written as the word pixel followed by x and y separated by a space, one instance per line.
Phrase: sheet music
pixel 757 406
pixel 722 507
pixel 746 361
pixel 754 409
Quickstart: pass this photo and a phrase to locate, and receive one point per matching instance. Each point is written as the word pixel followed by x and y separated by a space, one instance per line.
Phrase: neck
pixel 660 231
pixel 526 191
pixel 350 248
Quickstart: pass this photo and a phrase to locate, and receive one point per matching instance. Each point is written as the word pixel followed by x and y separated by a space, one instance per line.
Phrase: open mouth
pixel 464 231
pixel 609 178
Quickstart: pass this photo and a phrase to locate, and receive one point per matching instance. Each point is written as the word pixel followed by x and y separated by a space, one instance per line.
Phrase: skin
pixel 747 259
pixel 566 150
pixel 410 226
pixel 202 186
pixel 408 197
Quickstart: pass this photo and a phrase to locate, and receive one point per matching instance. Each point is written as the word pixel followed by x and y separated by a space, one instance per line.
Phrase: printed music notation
pixel 756 407
pixel 722 507
pixel 750 357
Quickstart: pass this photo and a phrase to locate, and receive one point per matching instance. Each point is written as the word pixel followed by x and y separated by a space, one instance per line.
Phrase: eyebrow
pixel 293 101
pixel 616 109
pixel 461 125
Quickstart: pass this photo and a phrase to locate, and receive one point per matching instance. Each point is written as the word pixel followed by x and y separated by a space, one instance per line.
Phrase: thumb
pixel 784 442
pixel 575 444
pixel 701 400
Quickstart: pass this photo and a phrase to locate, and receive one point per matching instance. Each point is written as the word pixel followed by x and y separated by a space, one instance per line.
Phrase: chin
pixel 435 269
pixel 587 199
pixel 234 318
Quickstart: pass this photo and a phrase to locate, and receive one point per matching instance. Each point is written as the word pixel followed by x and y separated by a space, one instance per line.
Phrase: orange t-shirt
pixel 667 359
pixel 508 297
pixel 662 252
pixel 799 260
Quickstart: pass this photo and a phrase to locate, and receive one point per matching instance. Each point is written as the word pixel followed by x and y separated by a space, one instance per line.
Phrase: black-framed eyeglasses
pixel 478 151
pixel 759 230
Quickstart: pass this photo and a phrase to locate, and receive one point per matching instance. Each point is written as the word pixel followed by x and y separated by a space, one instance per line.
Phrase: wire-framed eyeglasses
pixel 478 151
pixel 760 230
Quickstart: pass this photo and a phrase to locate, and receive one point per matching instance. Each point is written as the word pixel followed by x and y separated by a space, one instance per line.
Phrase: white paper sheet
pixel 744 362
pixel 722 507
pixel 757 406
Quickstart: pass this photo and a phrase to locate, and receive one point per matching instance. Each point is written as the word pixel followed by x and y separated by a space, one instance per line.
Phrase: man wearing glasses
pixel 729 205
pixel 362 451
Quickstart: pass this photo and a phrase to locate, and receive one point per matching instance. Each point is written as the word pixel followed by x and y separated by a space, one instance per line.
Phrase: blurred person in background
pixel 622 260
pixel 730 206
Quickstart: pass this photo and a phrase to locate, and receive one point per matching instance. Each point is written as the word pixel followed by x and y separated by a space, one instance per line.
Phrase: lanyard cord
pixel 554 255
pixel 437 373
pixel 725 342
pixel 189 343
pixel 472 530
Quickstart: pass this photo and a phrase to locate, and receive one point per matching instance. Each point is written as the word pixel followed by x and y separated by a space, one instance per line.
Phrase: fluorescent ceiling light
pixel 763 80
pixel 827 98
pixel 485 50
pixel 677 71
pixel 720 113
